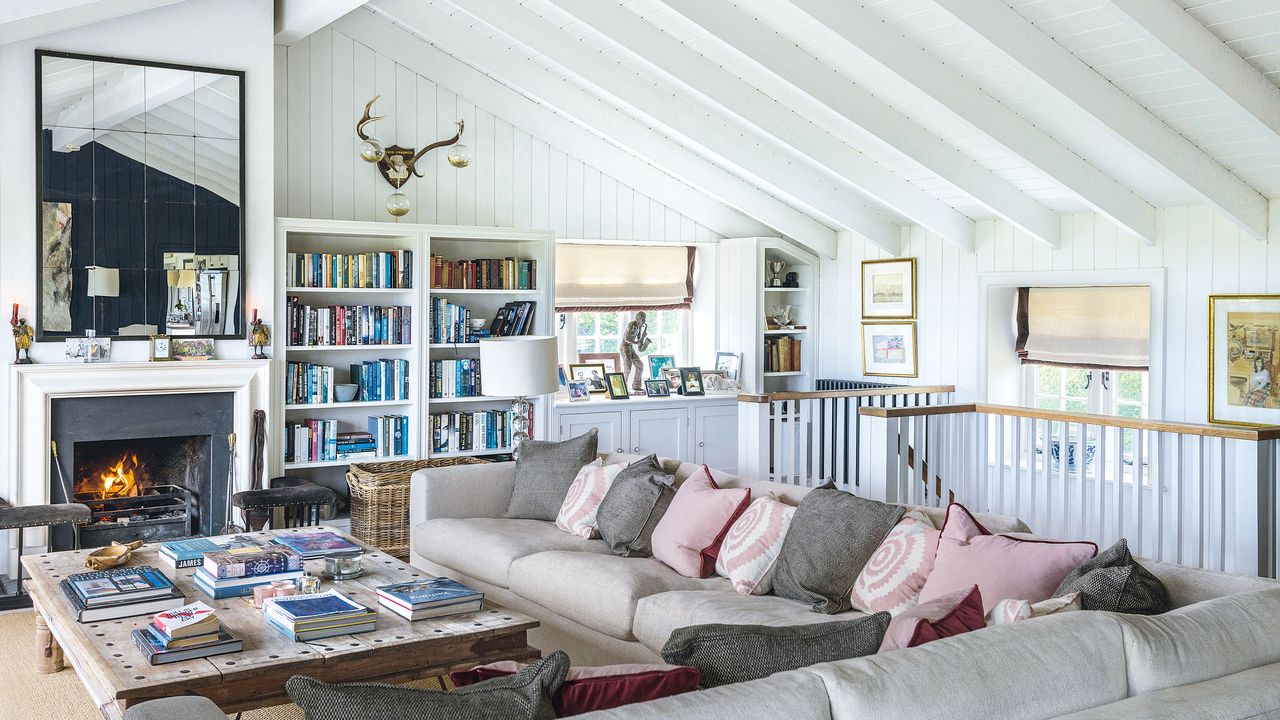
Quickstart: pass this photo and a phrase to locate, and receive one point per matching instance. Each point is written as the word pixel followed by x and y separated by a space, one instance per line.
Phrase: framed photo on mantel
pixel 889 289
pixel 1244 359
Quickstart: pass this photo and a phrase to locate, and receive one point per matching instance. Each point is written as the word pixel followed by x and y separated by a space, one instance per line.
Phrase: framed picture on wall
pixel 889 289
pixel 889 349
pixel 1244 359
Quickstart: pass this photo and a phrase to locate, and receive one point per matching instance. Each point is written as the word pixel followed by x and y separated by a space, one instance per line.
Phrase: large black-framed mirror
pixel 140 207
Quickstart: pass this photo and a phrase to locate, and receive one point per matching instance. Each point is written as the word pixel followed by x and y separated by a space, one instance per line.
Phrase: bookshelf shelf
pixel 349 291
pixel 480 291
pixel 476 399
pixel 471 453
pixel 343 463
pixel 794 331
pixel 340 405
pixel 346 348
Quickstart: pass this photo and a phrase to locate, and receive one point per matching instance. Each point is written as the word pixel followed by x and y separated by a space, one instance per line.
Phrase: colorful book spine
pixel 319 326
pixel 226 565
pixel 507 273
pixel 391 269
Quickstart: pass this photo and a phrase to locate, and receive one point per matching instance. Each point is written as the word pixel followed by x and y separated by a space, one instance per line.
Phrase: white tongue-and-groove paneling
pixel 1201 251
pixel 515 179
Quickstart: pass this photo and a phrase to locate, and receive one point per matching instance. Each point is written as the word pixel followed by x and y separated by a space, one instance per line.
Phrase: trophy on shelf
pixel 781 316
pixel 775 272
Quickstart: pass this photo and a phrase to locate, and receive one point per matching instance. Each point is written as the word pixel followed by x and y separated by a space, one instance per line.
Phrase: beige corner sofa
pixel 1215 656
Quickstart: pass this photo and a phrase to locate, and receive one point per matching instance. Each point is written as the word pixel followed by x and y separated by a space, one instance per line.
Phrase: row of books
pixel 391 269
pixel 486 274
pixel 348 324
pixel 318 439
pixel 455 378
pixel 185 633
pixel 514 318
pixel 464 431
pixel 382 379
pixel 235 573
pixel 450 323
pixel 306 383
pixel 782 354
pixel 120 592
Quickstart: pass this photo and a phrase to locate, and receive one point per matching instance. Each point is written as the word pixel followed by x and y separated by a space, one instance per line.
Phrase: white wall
pixel 515 180
pixel 1201 252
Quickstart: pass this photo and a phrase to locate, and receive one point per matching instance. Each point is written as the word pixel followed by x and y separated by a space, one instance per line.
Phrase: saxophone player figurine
pixel 635 341
pixel 22 337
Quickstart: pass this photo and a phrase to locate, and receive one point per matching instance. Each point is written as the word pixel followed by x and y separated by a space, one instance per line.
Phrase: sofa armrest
pixel 461 491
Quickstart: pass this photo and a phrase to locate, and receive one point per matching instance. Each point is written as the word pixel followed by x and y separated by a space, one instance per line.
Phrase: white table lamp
pixel 519 367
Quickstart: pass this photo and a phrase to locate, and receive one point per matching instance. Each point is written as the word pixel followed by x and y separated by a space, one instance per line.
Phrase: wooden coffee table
pixel 116 674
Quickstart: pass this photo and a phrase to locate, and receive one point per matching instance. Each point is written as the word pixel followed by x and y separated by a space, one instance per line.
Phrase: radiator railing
pixel 1201 495
pixel 809 438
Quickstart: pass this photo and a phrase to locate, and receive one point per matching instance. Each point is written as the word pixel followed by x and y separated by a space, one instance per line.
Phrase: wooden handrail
pixel 1219 431
pixel 829 394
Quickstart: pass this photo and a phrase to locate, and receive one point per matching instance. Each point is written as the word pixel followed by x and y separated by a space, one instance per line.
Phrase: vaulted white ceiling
pixel 821 116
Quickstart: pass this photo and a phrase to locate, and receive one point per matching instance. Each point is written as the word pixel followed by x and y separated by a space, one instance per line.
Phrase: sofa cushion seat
pixel 1248 694
pixel 658 615
pixel 794 694
pixel 599 591
pixel 484 548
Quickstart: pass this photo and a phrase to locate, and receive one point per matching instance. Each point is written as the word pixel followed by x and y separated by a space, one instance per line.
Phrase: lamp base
pixel 519 424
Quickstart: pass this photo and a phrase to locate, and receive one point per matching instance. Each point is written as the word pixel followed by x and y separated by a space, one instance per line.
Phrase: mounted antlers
pixel 366 119
pixel 396 158
pixel 397 163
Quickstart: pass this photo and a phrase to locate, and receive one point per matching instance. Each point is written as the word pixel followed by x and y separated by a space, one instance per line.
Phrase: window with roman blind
pixel 613 278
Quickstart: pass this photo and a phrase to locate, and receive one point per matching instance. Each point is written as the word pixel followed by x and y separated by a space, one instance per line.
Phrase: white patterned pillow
pixel 578 513
pixel 750 548
pixel 1007 611
pixel 892 579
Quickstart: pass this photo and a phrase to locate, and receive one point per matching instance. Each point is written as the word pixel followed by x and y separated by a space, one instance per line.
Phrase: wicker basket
pixel 380 500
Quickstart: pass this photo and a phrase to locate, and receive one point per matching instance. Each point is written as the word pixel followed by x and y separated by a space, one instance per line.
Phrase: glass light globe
pixel 371 150
pixel 398 204
pixel 459 155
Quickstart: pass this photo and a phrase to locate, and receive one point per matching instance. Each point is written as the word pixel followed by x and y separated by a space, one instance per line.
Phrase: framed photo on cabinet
pixel 889 349
pixel 1244 359
pixel 889 289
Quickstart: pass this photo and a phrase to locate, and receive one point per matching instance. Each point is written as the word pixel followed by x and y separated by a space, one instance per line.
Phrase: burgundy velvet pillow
pixel 952 614
pixel 587 689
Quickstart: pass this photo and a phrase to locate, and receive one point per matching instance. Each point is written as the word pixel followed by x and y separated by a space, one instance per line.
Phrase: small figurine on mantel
pixel 259 337
pixel 22 337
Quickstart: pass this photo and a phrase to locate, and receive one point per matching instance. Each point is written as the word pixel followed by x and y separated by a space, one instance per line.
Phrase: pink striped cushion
pixel 895 574
pixel 578 513
pixel 752 544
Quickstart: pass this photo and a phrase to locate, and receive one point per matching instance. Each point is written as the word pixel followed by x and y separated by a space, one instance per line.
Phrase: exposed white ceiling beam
pixel 870 114
pixel 795 134
pixel 296 19
pixel 1198 51
pixel 688 121
pixel 552 128
pixel 23 19
pixel 1126 118
pixel 962 97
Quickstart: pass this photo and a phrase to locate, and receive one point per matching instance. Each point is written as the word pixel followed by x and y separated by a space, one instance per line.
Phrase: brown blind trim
pixel 1084 366
pixel 621 308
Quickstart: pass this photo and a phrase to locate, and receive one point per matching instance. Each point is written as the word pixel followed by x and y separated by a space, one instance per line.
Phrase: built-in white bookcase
pixel 451 242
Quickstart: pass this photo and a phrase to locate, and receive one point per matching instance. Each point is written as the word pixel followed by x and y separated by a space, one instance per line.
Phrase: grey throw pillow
pixel 737 653
pixel 544 472
pixel 832 536
pixel 633 505
pixel 1112 580
pixel 525 695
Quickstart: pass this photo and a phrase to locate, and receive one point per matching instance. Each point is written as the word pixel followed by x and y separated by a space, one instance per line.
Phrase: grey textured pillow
pixel 832 536
pixel 525 695
pixel 544 472
pixel 635 502
pixel 737 653
pixel 1112 580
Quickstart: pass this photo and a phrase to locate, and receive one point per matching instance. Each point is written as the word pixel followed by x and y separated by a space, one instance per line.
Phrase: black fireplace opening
pixel 150 467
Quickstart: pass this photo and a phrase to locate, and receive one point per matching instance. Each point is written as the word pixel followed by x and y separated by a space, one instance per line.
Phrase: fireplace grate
pixel 161 512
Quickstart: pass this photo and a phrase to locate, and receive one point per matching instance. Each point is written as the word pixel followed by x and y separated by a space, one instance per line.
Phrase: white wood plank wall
pixel 515 180
pixel 1201 251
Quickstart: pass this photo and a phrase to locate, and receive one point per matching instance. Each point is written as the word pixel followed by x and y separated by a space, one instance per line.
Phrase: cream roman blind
pixel 623 277
pixel 1087 327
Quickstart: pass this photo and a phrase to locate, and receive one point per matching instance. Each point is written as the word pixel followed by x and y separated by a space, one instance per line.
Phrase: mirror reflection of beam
pixel 127 97
pixel 215 169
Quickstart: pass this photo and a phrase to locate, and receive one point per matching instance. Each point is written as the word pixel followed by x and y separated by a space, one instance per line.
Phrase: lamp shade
pixel 521 366
pixel 103 281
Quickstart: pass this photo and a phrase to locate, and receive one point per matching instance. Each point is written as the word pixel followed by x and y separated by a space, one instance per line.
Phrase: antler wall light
pixel 397 163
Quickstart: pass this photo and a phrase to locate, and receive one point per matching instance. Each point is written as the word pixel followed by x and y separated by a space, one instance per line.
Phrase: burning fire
pixel 117 480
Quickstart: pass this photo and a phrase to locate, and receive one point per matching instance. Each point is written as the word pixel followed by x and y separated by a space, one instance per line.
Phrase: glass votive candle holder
pixel 344 565
pixel 308 584
pixel 261 593
pixel 284 588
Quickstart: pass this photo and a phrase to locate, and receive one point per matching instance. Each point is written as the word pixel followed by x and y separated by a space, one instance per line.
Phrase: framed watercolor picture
pixel 889 289
pixel 617 383
pixel 590 373
pixel 889 349
pixel 1244 359
pixel 658 363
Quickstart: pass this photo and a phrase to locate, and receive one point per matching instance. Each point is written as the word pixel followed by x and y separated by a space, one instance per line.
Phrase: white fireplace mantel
pixel 35 386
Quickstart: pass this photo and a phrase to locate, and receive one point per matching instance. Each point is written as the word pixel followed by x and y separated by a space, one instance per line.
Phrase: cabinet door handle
pixel 702 444
pixel 637 449
pixel 619 449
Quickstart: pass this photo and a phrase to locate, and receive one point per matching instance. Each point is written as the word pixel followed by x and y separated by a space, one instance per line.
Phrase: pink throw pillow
pixel 894 576
pixel 588 689
pixel 578 513
pixel 688 536
pixel 750 549
pixel 952 614
pixel 1002 566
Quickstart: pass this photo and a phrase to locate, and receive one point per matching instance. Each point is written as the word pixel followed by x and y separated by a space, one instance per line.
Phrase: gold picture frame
pixel 1244 360
pixel 883 356
pixel 161 348
pixel 889 289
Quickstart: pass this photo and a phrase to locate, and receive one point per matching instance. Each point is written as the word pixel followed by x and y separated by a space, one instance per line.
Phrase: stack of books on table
pixel 303 618
pixel 314 545
pixel 233 573
pixel 185 633
pixel 424 599
pixel 190 552
pixel 120 592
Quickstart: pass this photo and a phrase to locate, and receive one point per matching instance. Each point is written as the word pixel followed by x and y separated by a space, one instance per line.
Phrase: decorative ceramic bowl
pixel 477 323
pixel 345 392
pixel 1055 452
